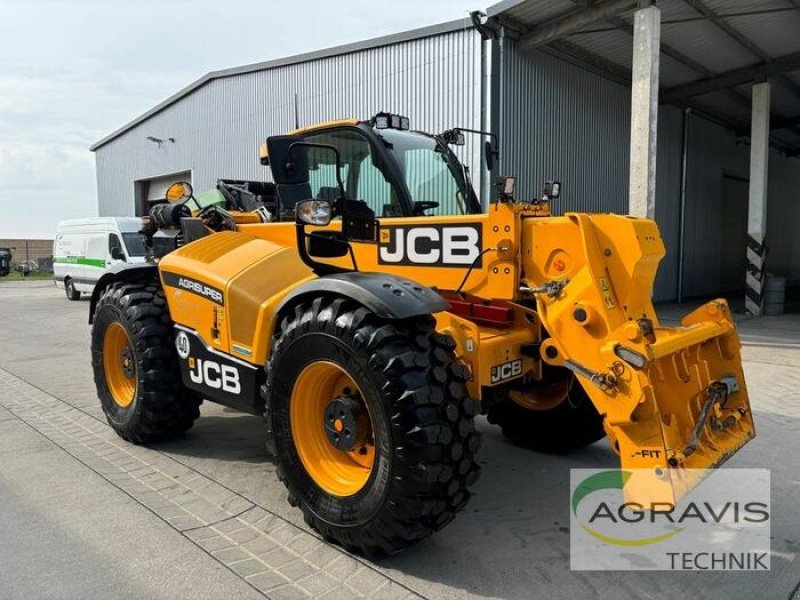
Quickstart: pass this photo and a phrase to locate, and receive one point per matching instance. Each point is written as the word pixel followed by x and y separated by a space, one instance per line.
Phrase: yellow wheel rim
pixel 544 396
pixel 316 421
pixel 119 364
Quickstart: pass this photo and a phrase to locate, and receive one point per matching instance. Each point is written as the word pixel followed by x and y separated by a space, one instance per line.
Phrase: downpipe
pixel 682 217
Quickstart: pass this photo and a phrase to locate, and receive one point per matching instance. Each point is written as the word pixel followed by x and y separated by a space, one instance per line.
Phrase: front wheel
pixel 136 369
pixel 371 425
pixel 70 291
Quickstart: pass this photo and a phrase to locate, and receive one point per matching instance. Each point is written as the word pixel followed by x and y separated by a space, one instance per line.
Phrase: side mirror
pixel 313 212
pixel 117 253
pixel 454 137
pixel 288 162
pixel 552 190
pixel 491 153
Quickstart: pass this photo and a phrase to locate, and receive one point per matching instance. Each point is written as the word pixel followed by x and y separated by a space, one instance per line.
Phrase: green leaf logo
pixel 610 480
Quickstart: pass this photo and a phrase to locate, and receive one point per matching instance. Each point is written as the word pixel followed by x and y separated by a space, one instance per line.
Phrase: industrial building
pixel 705 140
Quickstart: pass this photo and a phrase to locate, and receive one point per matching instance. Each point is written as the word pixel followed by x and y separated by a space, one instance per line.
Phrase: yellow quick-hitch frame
pixel 674 398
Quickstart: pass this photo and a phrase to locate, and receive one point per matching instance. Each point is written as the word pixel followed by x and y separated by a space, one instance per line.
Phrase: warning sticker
pixel 608 294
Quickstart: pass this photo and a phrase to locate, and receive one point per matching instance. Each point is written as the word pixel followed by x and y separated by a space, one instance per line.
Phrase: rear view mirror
pixel 552 190
pixel 454 137
pixel 491 153
pixel 313 212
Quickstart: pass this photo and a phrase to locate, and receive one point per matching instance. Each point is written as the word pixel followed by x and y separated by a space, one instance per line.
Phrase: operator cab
pixel 393 171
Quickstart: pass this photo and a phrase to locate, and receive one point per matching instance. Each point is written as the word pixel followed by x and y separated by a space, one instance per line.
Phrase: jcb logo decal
pixel 506 370
pixel 431 245
pixel 214 375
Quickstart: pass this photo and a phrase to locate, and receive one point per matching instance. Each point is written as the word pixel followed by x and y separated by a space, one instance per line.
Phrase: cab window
pixel 362 178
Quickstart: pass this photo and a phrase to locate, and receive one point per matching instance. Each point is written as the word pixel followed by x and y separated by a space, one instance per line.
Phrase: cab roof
pixel 263 153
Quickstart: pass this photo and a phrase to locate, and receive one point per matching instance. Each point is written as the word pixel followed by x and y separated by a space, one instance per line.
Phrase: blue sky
pixel 72 71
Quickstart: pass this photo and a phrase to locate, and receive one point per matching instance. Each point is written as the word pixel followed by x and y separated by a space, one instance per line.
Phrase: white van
pixel 84 249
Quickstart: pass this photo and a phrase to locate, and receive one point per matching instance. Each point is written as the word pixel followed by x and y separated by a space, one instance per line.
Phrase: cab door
pixel 362 173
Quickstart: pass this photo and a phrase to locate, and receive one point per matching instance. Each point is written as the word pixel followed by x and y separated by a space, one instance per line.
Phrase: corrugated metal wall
pixel 560 121
pixel 715 152
pixel 783 219
pixel 218 128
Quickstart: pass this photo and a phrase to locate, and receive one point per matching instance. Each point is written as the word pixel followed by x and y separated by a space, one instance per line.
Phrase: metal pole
pixel 501 108
pixel 682 219
pixel 484 179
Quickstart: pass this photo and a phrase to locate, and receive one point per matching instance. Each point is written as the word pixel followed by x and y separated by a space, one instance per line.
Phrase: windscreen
pixel 431 171
pixel 134 244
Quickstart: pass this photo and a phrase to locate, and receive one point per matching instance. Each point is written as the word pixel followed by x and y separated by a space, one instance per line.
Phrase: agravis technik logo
pixel 721 524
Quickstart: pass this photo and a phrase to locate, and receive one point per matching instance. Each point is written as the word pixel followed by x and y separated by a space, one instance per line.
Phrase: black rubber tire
pixel 423 421
pixel 162 408
pixel 70 291
pixel 573 423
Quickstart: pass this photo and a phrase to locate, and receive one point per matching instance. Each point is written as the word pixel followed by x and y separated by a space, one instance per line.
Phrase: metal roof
pixel 711 50
pixel 378 42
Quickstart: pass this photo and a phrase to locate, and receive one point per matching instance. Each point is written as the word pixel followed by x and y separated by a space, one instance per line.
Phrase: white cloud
pixel 72 71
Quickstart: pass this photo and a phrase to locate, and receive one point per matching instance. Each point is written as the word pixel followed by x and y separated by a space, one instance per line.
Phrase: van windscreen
pixel 134 244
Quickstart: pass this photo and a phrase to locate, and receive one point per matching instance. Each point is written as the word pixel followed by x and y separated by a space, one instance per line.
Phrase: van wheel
pixel 136 367
pixel 70 291
pixel 371 425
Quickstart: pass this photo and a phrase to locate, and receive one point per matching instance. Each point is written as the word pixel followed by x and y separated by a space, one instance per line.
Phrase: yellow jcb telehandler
pixel 367 307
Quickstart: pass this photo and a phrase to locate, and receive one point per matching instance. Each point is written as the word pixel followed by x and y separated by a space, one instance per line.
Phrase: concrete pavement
pixel 67 534
pixel 511 542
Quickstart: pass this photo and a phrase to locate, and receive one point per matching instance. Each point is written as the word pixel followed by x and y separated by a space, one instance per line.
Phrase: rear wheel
pixel 70 291
pixel 371 425
pixel 552 416
pixel 136 369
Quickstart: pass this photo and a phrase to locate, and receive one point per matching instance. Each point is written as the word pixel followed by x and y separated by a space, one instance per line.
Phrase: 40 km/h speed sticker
pixel 182 344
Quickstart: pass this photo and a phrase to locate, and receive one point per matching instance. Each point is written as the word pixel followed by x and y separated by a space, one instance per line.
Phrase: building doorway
pixel 733 225
pixel 155 190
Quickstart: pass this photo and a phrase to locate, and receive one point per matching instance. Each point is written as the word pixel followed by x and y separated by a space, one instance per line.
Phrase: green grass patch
pixel 34 276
